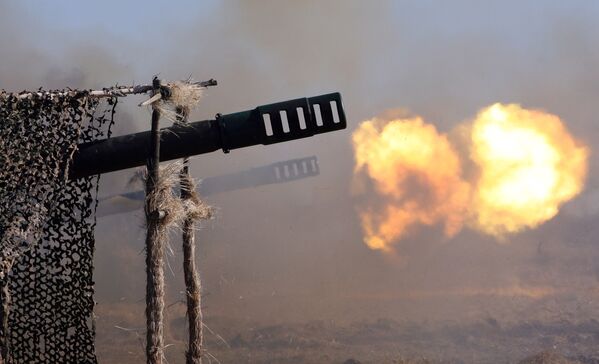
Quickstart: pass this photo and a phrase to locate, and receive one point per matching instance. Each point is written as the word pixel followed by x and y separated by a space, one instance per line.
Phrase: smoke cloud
pixel 294 251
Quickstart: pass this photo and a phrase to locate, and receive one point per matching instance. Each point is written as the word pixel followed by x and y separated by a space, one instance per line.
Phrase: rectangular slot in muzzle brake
pixel 283 121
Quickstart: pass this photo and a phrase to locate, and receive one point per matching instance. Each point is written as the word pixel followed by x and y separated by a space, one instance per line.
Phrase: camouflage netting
pixel 47 227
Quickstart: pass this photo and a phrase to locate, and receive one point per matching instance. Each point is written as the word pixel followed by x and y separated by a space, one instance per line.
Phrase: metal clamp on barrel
pixel 220 122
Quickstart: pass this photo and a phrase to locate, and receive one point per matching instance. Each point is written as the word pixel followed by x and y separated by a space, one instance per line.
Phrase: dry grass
pixel 167 201
pixel 185 95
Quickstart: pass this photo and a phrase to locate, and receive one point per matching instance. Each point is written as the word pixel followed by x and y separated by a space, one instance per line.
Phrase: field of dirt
pixel 487 341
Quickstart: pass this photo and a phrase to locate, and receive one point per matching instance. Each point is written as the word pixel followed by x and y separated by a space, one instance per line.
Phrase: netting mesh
pixel 46 227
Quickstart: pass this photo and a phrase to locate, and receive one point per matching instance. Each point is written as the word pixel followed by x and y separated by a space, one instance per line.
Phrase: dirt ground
pixel 487 341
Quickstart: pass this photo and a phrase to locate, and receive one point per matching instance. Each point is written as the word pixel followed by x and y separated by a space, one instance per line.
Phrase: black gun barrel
pixel 268 124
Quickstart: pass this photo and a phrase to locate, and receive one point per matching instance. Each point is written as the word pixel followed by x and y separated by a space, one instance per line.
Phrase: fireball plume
pixel 400 157
pixel 527 165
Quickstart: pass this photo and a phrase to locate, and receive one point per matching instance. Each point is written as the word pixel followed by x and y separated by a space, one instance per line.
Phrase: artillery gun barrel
pixel 268 124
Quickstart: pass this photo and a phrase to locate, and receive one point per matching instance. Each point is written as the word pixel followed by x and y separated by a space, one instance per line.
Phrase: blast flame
pixel 401 157
pixel 526 166
pixel 529 166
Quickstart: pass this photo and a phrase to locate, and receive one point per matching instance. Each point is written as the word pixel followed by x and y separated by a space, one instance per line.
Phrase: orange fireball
pixel 416 172
pixel 527 165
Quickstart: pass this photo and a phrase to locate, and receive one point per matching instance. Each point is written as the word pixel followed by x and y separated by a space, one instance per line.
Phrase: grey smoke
pixel 292 252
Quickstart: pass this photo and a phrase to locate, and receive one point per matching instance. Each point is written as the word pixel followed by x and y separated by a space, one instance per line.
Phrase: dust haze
pixel 292 253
